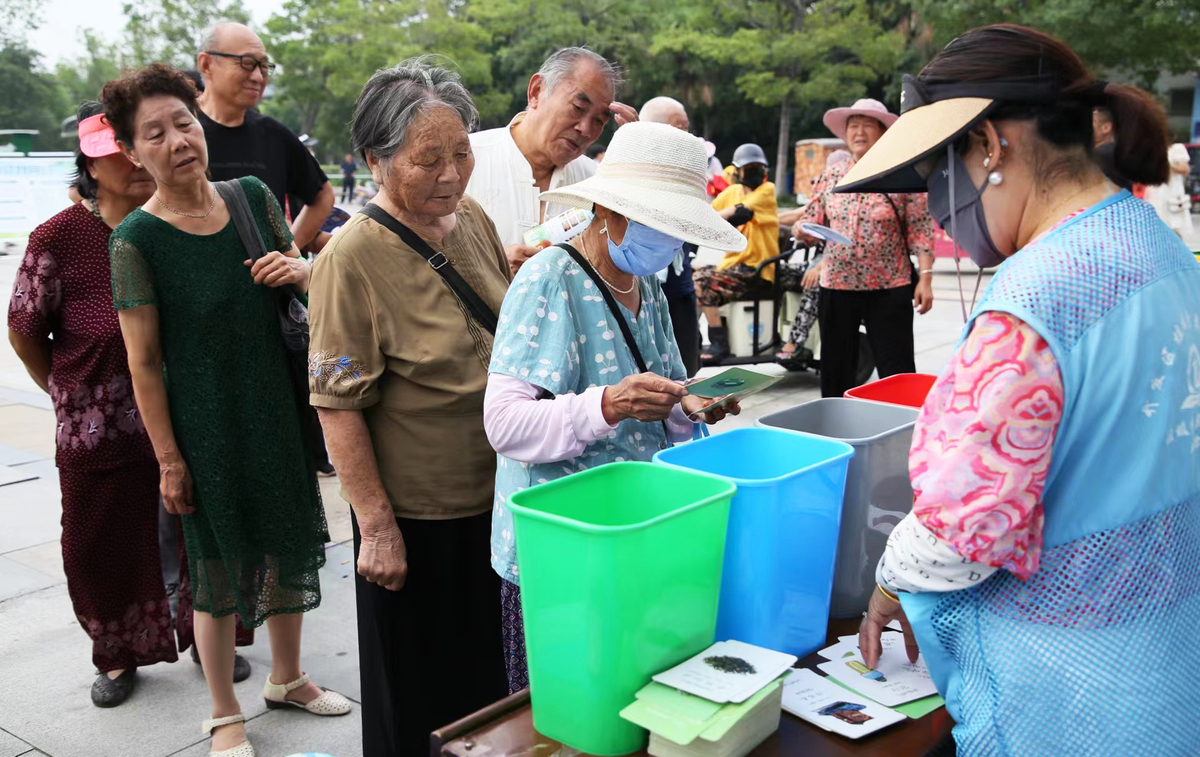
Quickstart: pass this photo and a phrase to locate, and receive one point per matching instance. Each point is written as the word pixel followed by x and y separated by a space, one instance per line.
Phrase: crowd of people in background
pixel 204 374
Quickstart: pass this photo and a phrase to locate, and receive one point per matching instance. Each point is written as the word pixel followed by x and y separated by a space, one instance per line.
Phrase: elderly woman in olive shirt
pixel 398 370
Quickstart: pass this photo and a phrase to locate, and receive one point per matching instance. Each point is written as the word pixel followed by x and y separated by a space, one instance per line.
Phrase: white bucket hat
pixel 656 175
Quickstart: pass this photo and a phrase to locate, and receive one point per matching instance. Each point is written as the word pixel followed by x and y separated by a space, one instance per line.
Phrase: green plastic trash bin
pixel 620 570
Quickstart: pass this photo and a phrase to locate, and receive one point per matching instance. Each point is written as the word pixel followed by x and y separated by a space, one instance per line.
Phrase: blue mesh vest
pixel 1094 654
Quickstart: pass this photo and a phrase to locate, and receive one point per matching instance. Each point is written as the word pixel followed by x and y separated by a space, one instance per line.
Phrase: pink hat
pixel 96 137
pixel 835 119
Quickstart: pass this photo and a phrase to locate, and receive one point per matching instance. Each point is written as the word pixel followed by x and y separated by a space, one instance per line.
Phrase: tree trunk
pixel 784 148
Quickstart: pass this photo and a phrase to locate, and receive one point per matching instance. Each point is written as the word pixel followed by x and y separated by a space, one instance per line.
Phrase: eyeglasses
pixel 247 62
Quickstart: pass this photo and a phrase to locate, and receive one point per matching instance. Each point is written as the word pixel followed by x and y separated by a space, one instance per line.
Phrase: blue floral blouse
pixel 556 332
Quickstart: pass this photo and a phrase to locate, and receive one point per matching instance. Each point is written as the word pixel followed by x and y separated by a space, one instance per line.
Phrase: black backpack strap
pixel 474 304
pixel 243 220
pixel 615 309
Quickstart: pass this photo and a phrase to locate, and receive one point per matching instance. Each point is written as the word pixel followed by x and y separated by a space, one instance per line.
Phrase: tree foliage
pixel 167 31
pixel 41 104
pixel 751 70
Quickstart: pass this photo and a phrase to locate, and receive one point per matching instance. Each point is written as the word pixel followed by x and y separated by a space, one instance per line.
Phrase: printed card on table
pixel 728 671
pixel 823 703
pixel 847 646
pixel 894 681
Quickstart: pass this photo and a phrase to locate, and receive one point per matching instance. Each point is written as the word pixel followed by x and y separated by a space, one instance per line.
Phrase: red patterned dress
pixel 62 297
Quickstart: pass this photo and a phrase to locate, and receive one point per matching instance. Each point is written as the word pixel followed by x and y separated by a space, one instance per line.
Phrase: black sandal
pixel 241 666
pixel 110 692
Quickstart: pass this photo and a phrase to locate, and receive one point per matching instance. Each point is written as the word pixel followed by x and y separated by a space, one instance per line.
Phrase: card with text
pixel 823 703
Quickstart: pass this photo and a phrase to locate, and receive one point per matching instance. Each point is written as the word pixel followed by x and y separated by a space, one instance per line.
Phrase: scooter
pixel 806 354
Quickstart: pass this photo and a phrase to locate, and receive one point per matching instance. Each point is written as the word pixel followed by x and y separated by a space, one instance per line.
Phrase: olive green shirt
pixel 390 338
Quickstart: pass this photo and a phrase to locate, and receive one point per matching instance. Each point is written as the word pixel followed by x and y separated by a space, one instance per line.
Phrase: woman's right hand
pixel 382 556
pixel 643 397
pixel 175 485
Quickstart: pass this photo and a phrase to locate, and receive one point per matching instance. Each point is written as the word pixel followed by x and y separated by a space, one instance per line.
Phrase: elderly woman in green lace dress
pixel 224 422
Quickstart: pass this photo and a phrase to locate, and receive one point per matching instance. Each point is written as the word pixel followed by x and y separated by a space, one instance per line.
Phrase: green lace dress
pixel 257 537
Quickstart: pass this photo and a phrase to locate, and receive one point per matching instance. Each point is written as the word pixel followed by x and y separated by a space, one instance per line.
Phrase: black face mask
pixel 753 176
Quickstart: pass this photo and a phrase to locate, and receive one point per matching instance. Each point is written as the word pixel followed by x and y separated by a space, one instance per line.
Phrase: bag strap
pixel 615 309
pixel 903 236
pixel 239 210
pixel 438 261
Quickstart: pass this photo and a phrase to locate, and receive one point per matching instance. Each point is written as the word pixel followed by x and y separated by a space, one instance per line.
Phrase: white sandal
pixel 329 703
pixel 244 749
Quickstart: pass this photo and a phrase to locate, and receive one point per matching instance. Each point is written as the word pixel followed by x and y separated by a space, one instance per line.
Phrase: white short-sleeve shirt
pixel 503 182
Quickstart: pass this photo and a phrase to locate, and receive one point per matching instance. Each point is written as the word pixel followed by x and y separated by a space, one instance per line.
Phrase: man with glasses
pixel 243 142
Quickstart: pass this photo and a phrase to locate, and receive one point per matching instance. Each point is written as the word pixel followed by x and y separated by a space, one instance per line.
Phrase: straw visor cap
pixel 656 175
pixel 889 166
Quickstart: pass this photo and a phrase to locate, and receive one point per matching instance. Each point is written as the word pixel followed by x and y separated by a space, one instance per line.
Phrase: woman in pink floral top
pixel 870 282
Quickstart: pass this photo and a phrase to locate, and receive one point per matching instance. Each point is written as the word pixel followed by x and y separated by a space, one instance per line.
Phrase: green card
pixel 918 709
pixel 734 384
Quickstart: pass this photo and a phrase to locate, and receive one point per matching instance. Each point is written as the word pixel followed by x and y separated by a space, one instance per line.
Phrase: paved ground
pixel 45 669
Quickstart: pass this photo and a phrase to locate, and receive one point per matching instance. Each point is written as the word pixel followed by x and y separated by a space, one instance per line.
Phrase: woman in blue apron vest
pixel 1050 569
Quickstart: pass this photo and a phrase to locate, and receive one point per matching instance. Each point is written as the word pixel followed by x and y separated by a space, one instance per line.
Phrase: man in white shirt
pixel 571 98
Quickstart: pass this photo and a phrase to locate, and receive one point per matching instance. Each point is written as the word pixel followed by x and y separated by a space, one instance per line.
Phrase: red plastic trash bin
pixel 909 389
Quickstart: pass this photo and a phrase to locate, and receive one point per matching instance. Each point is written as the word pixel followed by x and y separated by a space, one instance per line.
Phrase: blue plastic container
pixel 783 531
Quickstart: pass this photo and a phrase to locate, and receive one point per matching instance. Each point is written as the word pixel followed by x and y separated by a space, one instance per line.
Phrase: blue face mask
pixel 643 251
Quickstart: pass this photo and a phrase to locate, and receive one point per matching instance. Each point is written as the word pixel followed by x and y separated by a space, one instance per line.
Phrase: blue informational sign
pixel 32 189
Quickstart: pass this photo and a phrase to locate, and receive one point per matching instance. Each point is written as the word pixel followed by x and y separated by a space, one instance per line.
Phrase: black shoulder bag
pixel 615 310
pixel 474 304
pixel 293 313
pixel 914 278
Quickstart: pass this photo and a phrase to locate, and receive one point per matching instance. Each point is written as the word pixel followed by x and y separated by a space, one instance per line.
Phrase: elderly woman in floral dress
pixel 62 325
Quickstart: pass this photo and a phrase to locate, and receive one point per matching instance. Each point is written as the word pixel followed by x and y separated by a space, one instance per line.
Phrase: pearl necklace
pixel 596 268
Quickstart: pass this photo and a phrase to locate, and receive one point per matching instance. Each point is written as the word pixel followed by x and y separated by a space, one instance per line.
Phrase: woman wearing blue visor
pixel 585 369
pixel 1050 569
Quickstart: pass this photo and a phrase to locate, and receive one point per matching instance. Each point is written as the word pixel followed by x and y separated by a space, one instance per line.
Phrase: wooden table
pixel 506 728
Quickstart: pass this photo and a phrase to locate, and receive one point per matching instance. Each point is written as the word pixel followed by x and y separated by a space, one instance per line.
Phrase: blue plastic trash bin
pixel 783 531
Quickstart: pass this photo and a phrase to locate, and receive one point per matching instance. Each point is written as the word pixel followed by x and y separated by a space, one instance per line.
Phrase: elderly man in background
pixel 243 142
pixel 571 99
pixel 678 286
pixel 871 282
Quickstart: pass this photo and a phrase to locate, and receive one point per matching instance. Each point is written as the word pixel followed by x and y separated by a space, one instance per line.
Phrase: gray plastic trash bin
pixel 878 491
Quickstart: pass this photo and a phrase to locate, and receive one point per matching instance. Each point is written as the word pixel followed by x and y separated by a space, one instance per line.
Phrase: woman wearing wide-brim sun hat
pixel 871 282
pixel 1040 553
pixel 585 369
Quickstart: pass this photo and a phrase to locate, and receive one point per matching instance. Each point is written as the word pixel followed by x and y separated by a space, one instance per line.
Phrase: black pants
pixel 430 653
pixel 685 319
pixel 888 316
pixel 347 189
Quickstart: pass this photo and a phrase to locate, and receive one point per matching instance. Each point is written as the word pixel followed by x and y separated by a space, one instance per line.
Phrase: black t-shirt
pixel 264 148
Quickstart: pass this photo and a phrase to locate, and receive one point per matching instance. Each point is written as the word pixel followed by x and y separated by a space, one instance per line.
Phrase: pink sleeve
pixel 527 429
pixel 982 445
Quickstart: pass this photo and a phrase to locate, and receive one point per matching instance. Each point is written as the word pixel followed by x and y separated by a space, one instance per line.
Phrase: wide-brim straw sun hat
pixel 932 115
pixel 656 175
pixel 836 118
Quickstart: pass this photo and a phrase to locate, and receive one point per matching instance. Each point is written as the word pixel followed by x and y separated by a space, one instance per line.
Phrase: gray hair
pixel 210 33
pixel 394 97
pixel 563 63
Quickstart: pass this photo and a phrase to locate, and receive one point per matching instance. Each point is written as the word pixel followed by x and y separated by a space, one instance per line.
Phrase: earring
pixel 987 161
pixel 1003 142
pixel 994 178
